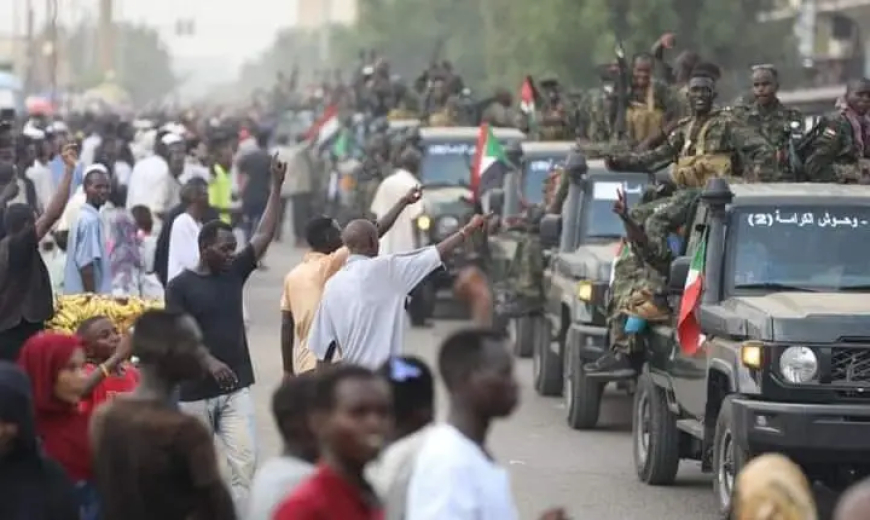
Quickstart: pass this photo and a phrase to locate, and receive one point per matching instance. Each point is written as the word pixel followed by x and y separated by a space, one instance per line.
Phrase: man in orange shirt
pixel 303 285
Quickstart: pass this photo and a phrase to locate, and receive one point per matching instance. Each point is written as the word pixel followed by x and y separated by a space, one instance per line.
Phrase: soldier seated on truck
pixel 636 292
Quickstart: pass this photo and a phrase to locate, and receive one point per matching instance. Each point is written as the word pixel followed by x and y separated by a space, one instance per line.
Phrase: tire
pixel 654 434
pixel 546 365
pixel 582 395
pixel 724 471
pixel 523 332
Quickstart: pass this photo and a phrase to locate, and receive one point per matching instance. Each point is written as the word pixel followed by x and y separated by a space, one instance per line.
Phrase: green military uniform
pixel 704 147
pixel 595 111
pixel 649 111
pixel 838 151
pixel 665 221
pixel 634 282
pixel 773 123
pixel 496 114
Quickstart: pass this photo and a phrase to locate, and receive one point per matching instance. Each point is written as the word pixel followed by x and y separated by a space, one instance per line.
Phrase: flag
pixel 326 126
pixel 621 252
pixel 489 163
pixel 688 329
pixel 527 96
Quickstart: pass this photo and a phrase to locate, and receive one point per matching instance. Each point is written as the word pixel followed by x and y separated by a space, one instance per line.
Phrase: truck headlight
pixel 446 226
pixel 424 223
pixel 798 364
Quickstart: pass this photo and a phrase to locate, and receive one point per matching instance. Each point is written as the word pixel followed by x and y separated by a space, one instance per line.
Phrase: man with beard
pixel 840 151
pixel 351 420
pixel 87 264
pixel 768 116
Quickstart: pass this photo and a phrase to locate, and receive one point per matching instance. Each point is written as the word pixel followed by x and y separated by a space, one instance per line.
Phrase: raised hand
pixel 70 156
pixel 278 169
pixel 413 195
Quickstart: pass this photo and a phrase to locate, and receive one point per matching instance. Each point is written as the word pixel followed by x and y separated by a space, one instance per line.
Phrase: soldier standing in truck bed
pixel 768 116
pixel 556 116
pixel 841 144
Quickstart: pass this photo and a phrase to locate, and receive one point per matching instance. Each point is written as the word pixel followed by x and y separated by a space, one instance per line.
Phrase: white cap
pixel 96 167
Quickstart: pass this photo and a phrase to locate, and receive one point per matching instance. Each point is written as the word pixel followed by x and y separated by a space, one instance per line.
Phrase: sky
pixel 227 31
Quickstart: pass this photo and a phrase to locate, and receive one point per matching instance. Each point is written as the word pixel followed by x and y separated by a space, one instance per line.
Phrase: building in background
pixel 313 14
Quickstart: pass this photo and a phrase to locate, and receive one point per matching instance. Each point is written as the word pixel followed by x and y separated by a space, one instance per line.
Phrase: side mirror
pixel 678 274
pixel 496 200
pixel 551 231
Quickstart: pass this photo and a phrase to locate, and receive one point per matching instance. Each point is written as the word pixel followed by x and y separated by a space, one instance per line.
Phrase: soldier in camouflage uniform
pixel 499 113
pixel 768 116
pixel 635 284
pixel 652 104
pixel 841 147
pixel 439 106
pixel 709 143
pixel 555 119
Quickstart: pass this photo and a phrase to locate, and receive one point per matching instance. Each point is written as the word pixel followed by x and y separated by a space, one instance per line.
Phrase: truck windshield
pixel 535 174
pixel 799 248
pixel 447 163
pixel 601 221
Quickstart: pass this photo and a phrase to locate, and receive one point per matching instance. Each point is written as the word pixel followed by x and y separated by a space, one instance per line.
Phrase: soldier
pixel 499 113
pixel 595 114
pixel 636 290
pixel 709 143
pixel 841 142
pixel 769 117
pixel 652 104
pixel 439 109
pixel 555 117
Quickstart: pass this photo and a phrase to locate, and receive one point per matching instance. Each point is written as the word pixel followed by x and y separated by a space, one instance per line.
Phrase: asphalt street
pixel 589 473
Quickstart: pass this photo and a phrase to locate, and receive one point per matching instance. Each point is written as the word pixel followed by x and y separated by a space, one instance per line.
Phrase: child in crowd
pixel 150 285
pixel 106 351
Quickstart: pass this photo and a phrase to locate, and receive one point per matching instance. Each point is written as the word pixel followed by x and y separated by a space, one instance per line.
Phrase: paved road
pixel 589 473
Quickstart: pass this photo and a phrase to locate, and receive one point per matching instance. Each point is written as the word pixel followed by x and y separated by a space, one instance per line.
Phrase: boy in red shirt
pixel 109 372
pixel 351 418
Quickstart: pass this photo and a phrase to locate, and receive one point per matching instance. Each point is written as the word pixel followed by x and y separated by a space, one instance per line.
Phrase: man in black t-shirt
pixel 212 294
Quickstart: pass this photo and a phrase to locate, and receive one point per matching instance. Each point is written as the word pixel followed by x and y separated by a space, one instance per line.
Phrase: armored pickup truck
pixel 519 193
pixel 445 174
pixel 573 329
pixel 770 350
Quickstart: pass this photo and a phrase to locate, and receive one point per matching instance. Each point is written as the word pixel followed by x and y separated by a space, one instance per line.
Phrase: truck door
pixel 689 373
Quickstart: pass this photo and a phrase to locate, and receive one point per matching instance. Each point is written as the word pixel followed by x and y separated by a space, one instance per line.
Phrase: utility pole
pixel 107 37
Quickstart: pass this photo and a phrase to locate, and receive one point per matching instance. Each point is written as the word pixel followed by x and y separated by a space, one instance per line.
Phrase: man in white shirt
pixel 362 312
pixel 455 477
pixel 184 235
pixel 39 172
pixel 400 239
pixel 154 180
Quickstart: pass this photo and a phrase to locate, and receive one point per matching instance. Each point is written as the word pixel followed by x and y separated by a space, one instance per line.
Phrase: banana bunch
pixel 71 310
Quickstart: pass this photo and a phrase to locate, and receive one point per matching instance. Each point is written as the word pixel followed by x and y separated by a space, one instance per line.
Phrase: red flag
pixel 478 157
pixel 527 95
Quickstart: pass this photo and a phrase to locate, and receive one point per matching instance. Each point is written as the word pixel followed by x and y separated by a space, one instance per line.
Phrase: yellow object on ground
pixel 70 311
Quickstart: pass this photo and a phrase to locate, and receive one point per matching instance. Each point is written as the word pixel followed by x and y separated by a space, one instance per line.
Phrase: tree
pixel 142 63
pixel 497 42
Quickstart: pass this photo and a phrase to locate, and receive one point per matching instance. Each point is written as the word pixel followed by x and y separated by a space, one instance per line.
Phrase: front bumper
pixel 590 340
pixel 832 433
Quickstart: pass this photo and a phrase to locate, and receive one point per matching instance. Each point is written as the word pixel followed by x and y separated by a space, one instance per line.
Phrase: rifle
pixel 620 108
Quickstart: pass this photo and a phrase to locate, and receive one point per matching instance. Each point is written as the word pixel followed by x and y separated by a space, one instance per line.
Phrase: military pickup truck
pixel 774 348
pixel 573 329
pixel 519 192
pixel 445 173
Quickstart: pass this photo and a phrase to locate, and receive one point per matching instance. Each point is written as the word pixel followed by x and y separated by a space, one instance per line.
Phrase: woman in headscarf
pixel 34 486
pixel 772 487
pixel 55 364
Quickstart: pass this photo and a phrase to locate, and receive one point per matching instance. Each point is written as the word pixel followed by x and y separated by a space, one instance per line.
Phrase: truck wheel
pixel 582 395
pixel 546 365
pixel 654 435
pixel 728 458
pixel 523 333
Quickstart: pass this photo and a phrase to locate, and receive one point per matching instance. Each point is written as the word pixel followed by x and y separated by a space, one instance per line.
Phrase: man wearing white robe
pixel 400 238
